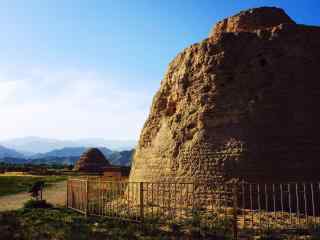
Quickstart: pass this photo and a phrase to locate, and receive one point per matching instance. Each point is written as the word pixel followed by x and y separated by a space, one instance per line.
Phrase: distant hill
pixel 9 153
pixel 123 158
pixel 68 152
pixel 55 160
pixel 31 145
pixel 71 155
pixel 64 156
pixel 13 160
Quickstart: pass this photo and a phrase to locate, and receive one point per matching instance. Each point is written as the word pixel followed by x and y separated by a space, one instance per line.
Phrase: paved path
pixel 55 194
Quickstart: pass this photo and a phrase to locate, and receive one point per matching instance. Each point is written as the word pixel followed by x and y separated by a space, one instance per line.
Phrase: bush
pixel 32 203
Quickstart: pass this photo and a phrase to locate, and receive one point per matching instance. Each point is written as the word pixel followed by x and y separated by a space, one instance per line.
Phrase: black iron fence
pixel 239 208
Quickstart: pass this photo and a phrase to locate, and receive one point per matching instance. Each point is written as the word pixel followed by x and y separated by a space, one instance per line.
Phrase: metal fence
pixel 239 208
pixel 278 207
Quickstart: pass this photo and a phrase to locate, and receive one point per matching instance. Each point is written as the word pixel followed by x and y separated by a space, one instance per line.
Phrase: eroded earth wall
pixel 242 103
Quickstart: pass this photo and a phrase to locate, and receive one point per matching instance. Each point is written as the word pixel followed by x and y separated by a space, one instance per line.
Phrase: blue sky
pixel 79 69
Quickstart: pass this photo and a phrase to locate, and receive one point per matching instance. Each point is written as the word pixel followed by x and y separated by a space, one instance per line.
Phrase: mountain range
pixel 11 153
pixel 30 145
pixel 69 152
pixel 64 155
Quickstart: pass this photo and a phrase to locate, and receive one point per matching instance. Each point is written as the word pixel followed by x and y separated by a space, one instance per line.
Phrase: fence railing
pixel 278 206
pixel 241 208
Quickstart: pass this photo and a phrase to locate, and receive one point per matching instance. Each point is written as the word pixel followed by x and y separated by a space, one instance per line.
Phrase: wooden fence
pixel 238 208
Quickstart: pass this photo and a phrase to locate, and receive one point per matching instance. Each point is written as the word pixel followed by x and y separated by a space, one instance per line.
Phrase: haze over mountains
pixel 51 151
pixel 7 152
pixel 31 145
pixel 68 152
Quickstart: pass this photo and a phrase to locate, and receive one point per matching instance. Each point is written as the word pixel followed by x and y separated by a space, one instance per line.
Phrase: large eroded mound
pixel 251 20
pixel 242 103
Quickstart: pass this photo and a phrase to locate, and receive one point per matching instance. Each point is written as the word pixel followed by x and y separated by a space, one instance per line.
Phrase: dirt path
pixel 55 194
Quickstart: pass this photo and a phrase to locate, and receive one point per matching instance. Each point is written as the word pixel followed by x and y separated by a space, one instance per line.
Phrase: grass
pixel 60 223
pixel 15 184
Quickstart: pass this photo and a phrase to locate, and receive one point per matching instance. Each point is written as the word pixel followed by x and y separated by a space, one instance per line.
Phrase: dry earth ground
pixel 55 194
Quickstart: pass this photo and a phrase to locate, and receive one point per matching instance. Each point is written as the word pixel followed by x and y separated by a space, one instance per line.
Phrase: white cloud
pixel 69 104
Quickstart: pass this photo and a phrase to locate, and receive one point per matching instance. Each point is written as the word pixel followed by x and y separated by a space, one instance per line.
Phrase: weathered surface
pixel 242 103
pixel 251 20
pixel 92 160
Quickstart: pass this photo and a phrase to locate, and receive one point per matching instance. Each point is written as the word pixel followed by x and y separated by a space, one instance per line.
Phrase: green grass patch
pixel 15 184
pixel 60 223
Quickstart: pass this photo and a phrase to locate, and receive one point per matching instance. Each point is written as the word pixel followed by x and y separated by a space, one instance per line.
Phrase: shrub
pixel 32 203
pixel 36 190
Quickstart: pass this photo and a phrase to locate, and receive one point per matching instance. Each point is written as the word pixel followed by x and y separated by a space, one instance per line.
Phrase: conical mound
pixel 92 160
pixel 240 104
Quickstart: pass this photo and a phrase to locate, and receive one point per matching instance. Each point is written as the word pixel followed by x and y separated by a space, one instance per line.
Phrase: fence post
pixel 87 200
pixel 141 202
pixel 235 210
pixel 100 199
pixel 67 198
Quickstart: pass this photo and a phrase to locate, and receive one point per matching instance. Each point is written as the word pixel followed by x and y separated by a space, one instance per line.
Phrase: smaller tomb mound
pixel 92 160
